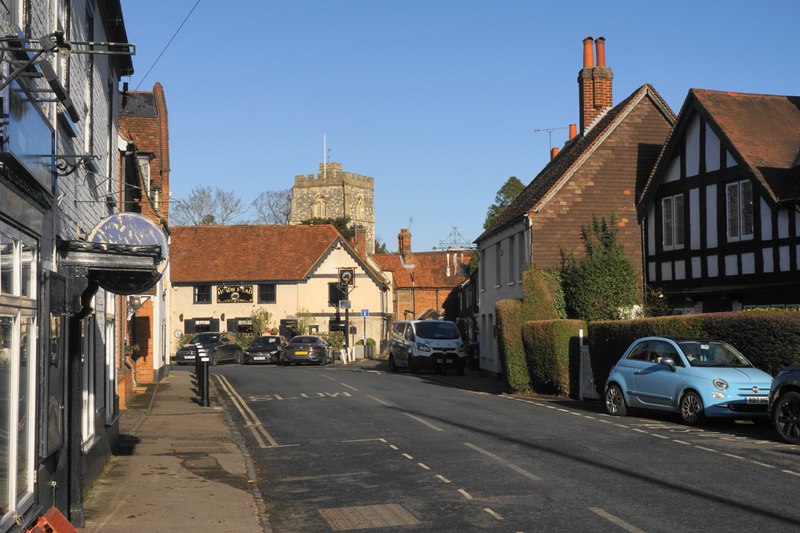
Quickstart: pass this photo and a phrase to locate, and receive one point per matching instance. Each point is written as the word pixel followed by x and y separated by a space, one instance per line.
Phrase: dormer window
pixel 739 202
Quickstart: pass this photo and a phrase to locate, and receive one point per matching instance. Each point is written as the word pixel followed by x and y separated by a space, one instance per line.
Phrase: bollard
pixel 197 370
pixel 203 383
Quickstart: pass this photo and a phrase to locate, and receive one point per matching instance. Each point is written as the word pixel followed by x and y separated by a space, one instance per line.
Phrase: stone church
pixel 334 193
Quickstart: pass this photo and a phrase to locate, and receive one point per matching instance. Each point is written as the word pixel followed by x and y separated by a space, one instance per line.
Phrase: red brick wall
pixel 142 336
pixel 424 299
pixel 606 182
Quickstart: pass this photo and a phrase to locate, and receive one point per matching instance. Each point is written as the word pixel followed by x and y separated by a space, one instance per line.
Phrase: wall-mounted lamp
pixel 222 317
pixel 180 317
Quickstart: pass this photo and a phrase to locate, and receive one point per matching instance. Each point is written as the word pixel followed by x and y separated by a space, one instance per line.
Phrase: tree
pixel 510 189
pixel 273 207
pixel 603 284
pixel 340 223
pixel 380 246
pixel 206 205
pixel 261 319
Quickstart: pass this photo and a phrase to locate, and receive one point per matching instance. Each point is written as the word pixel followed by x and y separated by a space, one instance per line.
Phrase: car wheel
pixel 615 401
pixel 392 365
pixel 787 417
pixel 212 361
pixel 691 409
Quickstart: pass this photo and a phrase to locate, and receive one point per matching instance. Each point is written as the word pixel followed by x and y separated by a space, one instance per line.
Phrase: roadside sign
pixel 365 312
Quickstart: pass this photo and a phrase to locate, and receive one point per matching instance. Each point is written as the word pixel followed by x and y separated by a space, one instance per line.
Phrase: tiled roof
pixel 248 252
pixel 571 156
pixel 430 269
pixel 762 131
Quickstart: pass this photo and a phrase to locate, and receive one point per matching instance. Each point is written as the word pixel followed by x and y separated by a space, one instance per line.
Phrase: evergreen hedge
pixel 509 343
pixel 769 339
pixel 552 352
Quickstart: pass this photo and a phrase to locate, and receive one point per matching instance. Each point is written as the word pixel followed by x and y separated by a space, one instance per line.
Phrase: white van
pixel 433 344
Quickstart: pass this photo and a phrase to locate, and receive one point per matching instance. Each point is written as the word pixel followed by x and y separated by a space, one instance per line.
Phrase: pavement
pixel 179 466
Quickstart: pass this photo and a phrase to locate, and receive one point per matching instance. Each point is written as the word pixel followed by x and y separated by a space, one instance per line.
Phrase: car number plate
pixel 450 361
pixel 301 353
pixel 189 356
pixel 260 358
pixel 757 399
pixel 438 360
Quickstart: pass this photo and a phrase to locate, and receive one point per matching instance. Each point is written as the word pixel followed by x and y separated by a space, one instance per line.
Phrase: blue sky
pixel 437 100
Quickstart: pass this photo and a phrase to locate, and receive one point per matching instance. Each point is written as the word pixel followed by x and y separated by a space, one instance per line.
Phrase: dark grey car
pixel 264 349
pixel 784 404
pixel 218 347
pixel 306 349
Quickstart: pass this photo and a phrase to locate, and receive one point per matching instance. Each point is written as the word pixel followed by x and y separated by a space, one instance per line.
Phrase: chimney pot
pixel 573 131
pixel 601 51
pixel 553 153
pixel 588 56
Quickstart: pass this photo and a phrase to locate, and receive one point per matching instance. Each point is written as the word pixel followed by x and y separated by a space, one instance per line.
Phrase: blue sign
pixel 365 312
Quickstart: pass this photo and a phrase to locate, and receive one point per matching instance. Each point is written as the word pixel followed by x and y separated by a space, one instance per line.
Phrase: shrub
pixel 370 341
pixel 509 343
pixel 244 339
pixel 537 302
pixel 552 353
pixel 334 338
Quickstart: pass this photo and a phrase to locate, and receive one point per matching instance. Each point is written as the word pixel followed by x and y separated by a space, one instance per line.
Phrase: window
pixel 498 252
pixel 319 209
pixel 202 294
pixel 672 222
pixel 243 325
pixel 266 293
pixel 202 325
pixel 18 341
pixel 739 204
pixel 512 265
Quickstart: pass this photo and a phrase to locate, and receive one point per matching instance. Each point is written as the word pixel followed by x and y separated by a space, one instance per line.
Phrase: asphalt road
pixel 342 449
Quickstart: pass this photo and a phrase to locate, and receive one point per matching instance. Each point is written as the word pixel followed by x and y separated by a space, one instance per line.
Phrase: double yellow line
pixel 250 418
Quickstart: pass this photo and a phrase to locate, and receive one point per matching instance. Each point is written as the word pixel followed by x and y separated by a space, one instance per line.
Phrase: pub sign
pixel 234 294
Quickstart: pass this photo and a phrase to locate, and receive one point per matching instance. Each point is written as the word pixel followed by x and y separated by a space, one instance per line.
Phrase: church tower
pixel 334 193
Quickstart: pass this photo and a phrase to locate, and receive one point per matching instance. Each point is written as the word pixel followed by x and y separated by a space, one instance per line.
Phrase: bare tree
pixel 207 205
pixel 273 207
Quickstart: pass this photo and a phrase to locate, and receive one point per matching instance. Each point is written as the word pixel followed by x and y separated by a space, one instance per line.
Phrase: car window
pixel 437 330
pixel 640 352
pixel 712 354
pixel 661 349
pixel 409 334
pixel 399 328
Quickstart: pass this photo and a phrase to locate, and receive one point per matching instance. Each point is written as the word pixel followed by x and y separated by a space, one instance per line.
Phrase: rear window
pixel 205 338
pixel 305 340
pixel 263 341
pixel 437 330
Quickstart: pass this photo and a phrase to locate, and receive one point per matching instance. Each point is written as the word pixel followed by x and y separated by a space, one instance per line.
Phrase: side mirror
pixel 669 361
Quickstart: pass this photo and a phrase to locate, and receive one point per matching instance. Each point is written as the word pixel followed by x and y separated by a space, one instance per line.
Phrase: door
pixel 656 384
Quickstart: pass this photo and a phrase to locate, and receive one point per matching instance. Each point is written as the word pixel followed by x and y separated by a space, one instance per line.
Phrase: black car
pixel 784 404
pixel 217 347
pixel 264 349
pixel 306 349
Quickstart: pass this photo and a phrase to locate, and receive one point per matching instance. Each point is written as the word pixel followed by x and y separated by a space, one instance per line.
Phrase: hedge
pixel 769 339
pixel 552 352
pixel 509 343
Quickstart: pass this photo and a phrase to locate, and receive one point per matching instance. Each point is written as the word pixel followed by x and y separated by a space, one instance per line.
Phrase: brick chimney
pixel 404 242
pixel 359 241
pixel 594 83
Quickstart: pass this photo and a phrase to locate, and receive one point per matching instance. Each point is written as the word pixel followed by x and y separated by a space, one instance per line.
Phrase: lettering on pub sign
pixel 234 294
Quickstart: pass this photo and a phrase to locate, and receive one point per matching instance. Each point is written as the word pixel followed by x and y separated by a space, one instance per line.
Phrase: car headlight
pixel 721 384
pixel 423 347
pixel 460 349
pixel 717 395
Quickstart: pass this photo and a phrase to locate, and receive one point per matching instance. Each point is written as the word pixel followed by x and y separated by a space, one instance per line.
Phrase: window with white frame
pixel 88 378
pixel 18 336
pixel 672 222
pixel 739 207
pixel 512 264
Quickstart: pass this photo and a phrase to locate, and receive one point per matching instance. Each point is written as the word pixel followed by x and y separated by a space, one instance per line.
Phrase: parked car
pixel 264 349
pixel 306 349
pixel 218 347
pixel 694 377
pixel 784 404
pixel 432 344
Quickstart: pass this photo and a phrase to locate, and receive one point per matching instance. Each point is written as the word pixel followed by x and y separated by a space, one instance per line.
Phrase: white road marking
pixel 706 449
pixel 465 494
pixel 734 456
pixel 762 464
pixel 424 466
pixel 367 440
pixel 682 442
pixel 443 479
pixel 492 513
pixel 423 422
pixel 252 420
pixel 512 466
pixel 408 456
pixel 379 400
pixel 328 377
pixel 660 436
pixel 792 472
pixel 614 520
pixel 348 386
pixel 392 446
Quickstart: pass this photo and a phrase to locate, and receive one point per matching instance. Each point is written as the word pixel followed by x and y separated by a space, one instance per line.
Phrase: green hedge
pixel 769 339
pixel 552 352
pixel 509 343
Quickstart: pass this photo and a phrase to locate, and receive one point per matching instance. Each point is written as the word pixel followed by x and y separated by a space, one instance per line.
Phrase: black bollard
pixel 204 399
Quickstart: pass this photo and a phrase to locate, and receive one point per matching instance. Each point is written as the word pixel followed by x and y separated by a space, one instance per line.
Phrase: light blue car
pixel 694 377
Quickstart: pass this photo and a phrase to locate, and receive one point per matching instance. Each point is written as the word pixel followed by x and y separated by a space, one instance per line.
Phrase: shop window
pixel 266 293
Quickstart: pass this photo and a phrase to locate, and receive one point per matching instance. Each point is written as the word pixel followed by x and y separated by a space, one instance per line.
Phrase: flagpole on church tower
pixel 324 157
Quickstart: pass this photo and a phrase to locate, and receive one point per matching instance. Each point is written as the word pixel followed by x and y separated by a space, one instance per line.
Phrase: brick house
pixel 144 188
pixel 423 283
pixel 599 171
pixel 720 210
pixel 221 274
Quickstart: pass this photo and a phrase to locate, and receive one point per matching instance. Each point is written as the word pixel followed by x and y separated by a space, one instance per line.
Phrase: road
pixel 341 449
